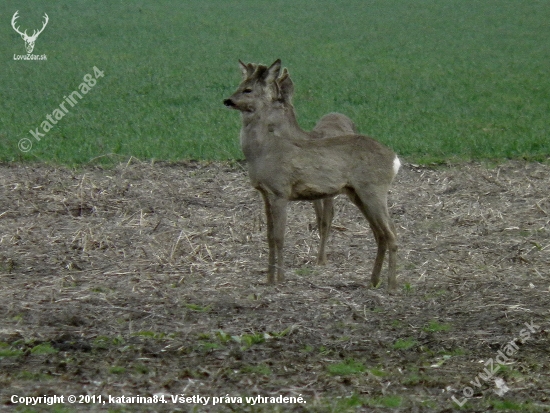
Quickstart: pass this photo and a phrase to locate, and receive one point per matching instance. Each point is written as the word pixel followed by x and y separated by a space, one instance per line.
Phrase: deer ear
pixel 245 69
pixel 273 71
pixel 286 86
pixel 284 75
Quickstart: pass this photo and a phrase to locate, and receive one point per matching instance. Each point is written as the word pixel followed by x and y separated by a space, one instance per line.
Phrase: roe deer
pixel 332 124
pixel 286 164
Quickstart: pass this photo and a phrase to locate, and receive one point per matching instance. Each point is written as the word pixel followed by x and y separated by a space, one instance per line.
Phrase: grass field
pixel 432 79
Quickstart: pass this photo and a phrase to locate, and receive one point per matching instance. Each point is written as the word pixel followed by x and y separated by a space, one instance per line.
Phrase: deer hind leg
pixel 324 210
pixel 275 210
pixel 375 209
pixel 278 210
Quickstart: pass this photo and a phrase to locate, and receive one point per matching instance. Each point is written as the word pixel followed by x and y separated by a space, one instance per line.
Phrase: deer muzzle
pixel 229 103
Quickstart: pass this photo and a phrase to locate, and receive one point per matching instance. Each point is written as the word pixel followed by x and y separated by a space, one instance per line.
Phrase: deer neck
pixel 269 130
pixel 265 129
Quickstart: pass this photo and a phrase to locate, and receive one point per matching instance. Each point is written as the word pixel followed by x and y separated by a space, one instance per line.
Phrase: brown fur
pixel 286 163
pixel 330 125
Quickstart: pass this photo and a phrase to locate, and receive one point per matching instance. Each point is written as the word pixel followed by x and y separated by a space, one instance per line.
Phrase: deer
pixel 29 40
pixel 331 124
pixel 286 163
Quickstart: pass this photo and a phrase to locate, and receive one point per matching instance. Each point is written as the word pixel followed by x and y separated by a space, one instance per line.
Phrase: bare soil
pixel 149 279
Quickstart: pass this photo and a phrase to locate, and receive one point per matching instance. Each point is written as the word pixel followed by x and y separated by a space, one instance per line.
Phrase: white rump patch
pixel 396 165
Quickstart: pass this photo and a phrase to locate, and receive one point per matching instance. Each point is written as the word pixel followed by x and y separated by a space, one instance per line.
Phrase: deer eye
pixel 247 90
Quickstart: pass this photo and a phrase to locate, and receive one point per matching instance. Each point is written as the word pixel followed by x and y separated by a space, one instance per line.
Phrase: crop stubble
pixel 142 265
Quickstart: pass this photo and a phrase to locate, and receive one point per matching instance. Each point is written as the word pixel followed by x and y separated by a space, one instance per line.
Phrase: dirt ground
pixel 149 279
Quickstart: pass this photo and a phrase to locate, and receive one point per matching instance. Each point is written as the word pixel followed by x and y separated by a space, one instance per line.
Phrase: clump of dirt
pixel 149 279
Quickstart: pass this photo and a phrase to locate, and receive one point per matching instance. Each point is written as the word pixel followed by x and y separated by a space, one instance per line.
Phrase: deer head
pixel 29 40
pixel 258 88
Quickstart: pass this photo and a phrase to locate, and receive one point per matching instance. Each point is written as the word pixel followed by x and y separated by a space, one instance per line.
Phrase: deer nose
pixel 228 103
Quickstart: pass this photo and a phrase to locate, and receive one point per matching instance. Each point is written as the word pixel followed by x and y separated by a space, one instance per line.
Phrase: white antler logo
pixel 29 40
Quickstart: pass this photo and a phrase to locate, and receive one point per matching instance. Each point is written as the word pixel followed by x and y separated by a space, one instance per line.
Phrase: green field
pixel 433 79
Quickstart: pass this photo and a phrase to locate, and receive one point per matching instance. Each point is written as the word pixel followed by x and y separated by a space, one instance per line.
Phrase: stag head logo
pixel 29 40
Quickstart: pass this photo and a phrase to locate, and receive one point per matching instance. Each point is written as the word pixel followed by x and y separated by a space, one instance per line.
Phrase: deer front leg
pixel 318 207
pixel 275 210
pixel 270 238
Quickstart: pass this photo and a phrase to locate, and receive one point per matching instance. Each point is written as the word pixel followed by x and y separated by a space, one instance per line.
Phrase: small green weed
pixel 117 370
pixel 7 265
pixel 141 369
pixel 404 344
pixel 304 271
pixel 453 352
pixel 209 346
pixel 223 337
pixel 407 287
pixel 153 335
pixel 44 348
pixel 346 368
pixel 435 327
pixel 28 375
pixel 198 308
pixel 248 340
pixel 347 404
pixel 385 401
pixel 104 342
pixel 508 372
pixel 307 349
pixel 377 372
pixel 261 369
pixel 280 334
pixel 411 380
pixel 396 324
pixel 324 351
pixel 507 405
pixel 8 351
